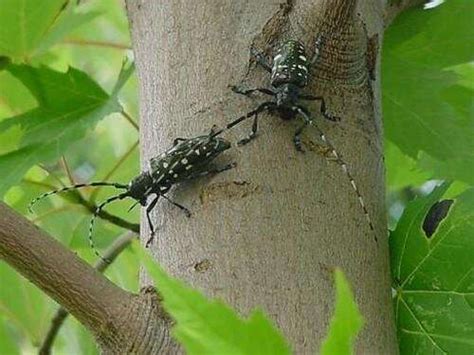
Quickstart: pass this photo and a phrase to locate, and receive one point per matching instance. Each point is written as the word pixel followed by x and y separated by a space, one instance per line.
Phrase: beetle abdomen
pixel 290 65
pixel 186 158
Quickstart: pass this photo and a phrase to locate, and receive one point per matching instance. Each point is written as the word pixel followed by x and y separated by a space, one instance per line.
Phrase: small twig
pixel 52 212
pixel 39 183
pixel 57 321
pixel 86 42
pixel 114 169
pixel 50 172
pixel 121 161
pixel 68 170
pixel 130 119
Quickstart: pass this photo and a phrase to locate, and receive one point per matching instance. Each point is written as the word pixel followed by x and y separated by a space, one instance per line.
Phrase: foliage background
pixel 428 82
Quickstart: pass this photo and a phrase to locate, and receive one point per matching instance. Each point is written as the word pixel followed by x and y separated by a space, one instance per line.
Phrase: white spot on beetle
pixel 165 165
pixel 197 152
pixel 303 58
pixel 189 166
pixel 184 161
pixel 175 175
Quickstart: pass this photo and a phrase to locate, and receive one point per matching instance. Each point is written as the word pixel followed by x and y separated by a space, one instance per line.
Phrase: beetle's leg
pixel 253 133
pixel 323 108
pixel 149 208
pixel 246 92
pixel 186 211
pixel 213 170
pixel 261 59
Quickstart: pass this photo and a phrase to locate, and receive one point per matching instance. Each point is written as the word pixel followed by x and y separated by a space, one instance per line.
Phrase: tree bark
pixel 268 233
pixel 114 250
pixel 58 272
pixel 120 321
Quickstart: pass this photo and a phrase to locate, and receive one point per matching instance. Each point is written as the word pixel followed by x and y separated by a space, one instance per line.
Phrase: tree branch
pixel 130 119
pixel 394 9
pixel 120 321
pixel 57 321
pixel 90 297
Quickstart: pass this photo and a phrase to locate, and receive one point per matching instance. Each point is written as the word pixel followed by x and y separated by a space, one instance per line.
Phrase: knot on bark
pixel 144 327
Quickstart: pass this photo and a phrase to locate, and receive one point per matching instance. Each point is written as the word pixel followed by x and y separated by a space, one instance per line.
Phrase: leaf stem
pixel 114 169
pixel 86 42
pixel 130 119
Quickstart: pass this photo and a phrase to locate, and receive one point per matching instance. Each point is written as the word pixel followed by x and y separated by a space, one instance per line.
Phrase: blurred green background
pixel 92 37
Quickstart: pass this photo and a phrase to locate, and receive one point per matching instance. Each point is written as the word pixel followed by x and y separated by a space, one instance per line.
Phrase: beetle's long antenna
pixel 96 213
pixel 73 187
pixel 343 165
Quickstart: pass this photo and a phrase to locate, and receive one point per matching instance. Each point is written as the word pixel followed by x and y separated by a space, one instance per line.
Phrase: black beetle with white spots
pixel 187 159
pixel 190 158
pixel 289 75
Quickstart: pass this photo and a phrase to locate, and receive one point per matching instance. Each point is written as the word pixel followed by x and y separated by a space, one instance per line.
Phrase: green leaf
pixel 346 321
pixel 402 170
pixel 433 275
pixel 4 61
pixel 209 326
pixel 16 163
pixel 426 107
pixel 67 22
pixel 68 105
pixel 29 28
pixel 15 97
pixel 24 305
pixel 8 340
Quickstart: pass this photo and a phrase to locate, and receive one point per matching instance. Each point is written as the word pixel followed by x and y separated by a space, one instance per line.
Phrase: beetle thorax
pixel 140 187
pixel 287 95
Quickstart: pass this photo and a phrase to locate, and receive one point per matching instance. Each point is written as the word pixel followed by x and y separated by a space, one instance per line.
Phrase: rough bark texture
pixel 269 232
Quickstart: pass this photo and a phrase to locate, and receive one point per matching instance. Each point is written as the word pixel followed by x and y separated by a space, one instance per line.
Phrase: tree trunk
pixel 268 233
